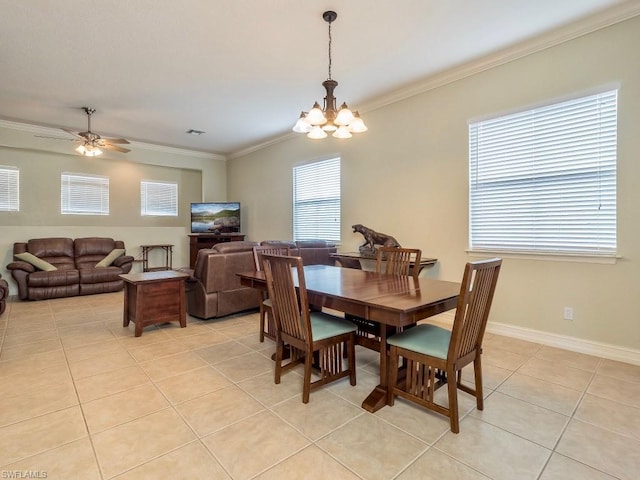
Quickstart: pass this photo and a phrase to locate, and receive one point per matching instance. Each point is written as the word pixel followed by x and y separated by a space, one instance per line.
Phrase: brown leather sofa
pixel 76 271
pixel 214 289
pixel 4 293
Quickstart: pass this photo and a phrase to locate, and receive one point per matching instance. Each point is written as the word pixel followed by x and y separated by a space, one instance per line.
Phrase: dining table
pixel 393 300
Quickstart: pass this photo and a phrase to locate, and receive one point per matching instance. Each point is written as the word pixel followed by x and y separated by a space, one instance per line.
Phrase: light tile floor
pixel 83 398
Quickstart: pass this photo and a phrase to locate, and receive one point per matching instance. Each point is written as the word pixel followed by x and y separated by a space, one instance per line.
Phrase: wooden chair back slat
pixel 397 261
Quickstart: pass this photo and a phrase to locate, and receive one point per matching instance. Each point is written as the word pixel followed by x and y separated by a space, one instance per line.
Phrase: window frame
pixel 325 198
pixel 560 173
pixel 145 199
pixel 9 188
pixel 73 195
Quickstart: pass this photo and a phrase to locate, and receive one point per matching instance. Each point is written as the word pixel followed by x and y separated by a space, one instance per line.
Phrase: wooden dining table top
pixel 394 300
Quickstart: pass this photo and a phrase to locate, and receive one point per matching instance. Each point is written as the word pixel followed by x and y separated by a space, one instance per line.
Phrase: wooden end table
pixel 154 297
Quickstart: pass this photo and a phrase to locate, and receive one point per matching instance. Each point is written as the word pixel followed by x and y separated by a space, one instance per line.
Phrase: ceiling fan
pixel 91 143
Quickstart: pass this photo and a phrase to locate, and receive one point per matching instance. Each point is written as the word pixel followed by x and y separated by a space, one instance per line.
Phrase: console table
pixel 168 257
pixel 356 260
pixel 198 241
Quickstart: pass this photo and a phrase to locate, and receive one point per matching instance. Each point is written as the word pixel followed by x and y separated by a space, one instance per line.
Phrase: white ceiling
pixel 242 70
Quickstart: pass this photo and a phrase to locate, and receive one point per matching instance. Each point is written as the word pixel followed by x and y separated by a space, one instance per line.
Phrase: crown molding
pixel 50 131
pixel 579 28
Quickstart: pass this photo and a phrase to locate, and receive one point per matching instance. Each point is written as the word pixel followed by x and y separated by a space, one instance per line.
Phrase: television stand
pixel 198 241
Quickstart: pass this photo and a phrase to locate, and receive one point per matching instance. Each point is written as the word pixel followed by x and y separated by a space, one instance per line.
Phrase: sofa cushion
pixel 35 261
pixel 109 259
pixel 90 250
pixel 100 275
pixel 57 251
pixel 233 247
pixel 56 278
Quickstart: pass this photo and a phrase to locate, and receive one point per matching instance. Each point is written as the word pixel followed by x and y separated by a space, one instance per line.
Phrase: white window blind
pixel 544 180
pixel 9 189
pixel 316 201
pixel 83 194
pixel 158 198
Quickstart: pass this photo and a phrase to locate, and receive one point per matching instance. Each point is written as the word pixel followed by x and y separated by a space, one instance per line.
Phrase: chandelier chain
pixel 329 50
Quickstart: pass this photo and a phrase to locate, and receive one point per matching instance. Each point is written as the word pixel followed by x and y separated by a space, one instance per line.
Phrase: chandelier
pixel 317 122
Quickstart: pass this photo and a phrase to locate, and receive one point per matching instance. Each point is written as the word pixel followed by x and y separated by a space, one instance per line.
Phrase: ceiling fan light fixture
pixel 329 119
pixel 88 150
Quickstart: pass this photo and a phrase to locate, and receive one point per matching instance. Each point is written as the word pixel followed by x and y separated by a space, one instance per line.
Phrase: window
pixel 158 198
pixel 83 194
pixel 544 180
pixel 316 201
pixel 9 189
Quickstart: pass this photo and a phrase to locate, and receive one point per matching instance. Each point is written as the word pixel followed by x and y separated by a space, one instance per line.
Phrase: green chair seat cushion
pixel 267 303
pixel 324 326
pixel 425 339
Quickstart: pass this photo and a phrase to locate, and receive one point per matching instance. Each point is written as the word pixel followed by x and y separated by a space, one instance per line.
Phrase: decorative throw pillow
pixel 35 261
pixel 108 260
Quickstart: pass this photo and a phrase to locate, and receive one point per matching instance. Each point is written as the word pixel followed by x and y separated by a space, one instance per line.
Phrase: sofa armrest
pixel 123 259
pixel 124 262
pixel 20 265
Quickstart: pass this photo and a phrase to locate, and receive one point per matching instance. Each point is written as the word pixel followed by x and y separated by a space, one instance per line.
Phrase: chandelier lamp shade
pixel 317 122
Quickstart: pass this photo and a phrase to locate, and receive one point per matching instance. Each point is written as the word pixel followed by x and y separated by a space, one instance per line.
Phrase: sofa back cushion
pixel 233 247
pixel 217 271
pixel 90 250
pixel 56 251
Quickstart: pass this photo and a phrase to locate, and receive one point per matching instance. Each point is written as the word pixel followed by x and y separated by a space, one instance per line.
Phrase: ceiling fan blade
pixel 56 138
pixel 115 147
pixel 116 140
pixel 72 133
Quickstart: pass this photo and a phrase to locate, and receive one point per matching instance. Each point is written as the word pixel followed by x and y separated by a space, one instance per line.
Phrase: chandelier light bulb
pixel 302 125
pixel 317 133
pixel 345 117
pixel 342 132
pixel 316 115
pixel 357 125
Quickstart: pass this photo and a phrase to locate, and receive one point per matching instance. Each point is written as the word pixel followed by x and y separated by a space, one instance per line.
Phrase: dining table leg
pixel 378 397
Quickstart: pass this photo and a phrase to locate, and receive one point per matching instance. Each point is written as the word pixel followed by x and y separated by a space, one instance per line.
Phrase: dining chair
pixel 435 356
pixel 397 261
pixel 391 261
pixel 267 328
pixel 306 332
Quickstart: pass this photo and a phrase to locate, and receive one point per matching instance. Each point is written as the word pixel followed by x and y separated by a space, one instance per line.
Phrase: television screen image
pixel 215 217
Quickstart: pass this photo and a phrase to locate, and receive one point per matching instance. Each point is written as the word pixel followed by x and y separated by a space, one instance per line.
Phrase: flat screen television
pixel 215 217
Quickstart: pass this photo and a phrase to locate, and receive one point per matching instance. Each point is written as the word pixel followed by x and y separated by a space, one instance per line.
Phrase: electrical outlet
pixel 568 313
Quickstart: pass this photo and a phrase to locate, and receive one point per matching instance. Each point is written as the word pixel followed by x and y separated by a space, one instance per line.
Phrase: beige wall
pixel 408 176
pixel 200 177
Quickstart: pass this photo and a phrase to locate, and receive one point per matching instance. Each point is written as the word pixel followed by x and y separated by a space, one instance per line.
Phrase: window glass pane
pixel 316 201
pixel 83 194
pixel 158 198
pixel 9 189
pixel 544 180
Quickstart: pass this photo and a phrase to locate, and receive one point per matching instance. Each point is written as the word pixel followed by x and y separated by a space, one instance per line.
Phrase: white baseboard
pixel 598 349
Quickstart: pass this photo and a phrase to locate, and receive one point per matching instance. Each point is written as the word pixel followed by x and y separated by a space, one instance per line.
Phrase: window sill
pixel 551 257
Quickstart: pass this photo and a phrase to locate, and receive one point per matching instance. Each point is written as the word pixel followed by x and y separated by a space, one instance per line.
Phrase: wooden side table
pixel 168 257
pixel 154 297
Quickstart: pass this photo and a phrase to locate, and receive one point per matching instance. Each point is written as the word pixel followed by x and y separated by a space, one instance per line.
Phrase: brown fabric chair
pixel 435 356
pixel 391 261
pixel 305 331
pixel 267 327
